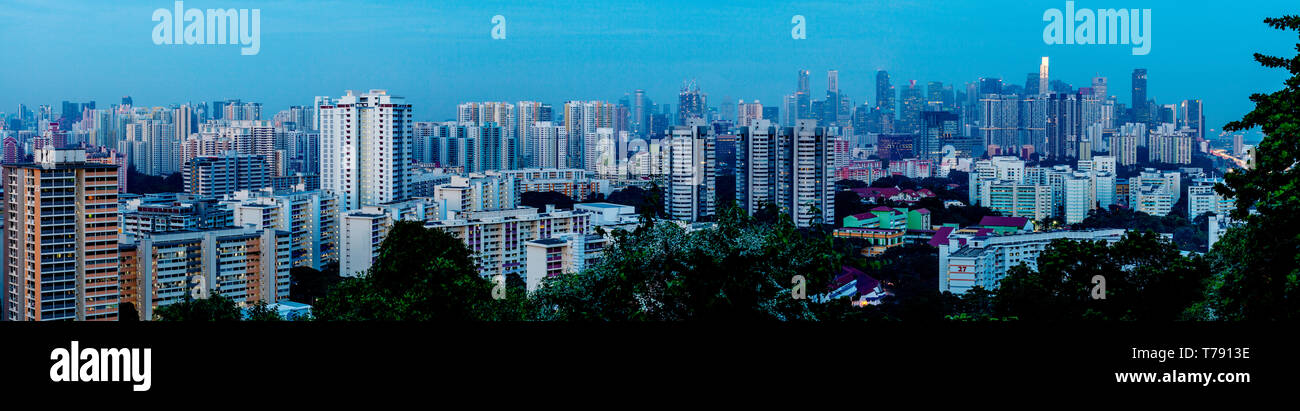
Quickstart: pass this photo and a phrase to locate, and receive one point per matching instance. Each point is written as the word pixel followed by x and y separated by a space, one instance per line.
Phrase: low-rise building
pixel 497 238
pixel 562 254
pixel 878 240
pixel 983 260
pixel 891 218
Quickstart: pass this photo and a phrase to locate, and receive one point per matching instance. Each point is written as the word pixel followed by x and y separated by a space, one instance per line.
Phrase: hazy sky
pixel 439 53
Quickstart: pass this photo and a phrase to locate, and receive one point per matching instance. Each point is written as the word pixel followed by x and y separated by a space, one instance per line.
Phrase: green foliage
pixel 1188 235
pixel 215 308
pixel 1146 278
pixel 1255 276
pixel 848 203
pixel 127 312
pixel 743 269
pixel 261 311
pixel 963 216
pixel 419 275
pixel 645 200
pixel 148 184
pixel 911 274
pixel 306 285
pixel 1257 264
pixel 540 199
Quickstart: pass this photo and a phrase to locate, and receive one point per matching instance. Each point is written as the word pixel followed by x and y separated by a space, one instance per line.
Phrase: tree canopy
pixel 419 274
pixel 1257 264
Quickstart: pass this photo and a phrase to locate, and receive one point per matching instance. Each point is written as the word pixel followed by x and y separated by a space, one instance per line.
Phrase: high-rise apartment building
pixel 692 172
pixel 61 238
pixel 789 167
pixel 310 218
pixel 366 148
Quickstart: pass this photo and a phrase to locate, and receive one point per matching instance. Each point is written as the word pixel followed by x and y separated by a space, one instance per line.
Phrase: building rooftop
pixel 996 221
pixel 549 241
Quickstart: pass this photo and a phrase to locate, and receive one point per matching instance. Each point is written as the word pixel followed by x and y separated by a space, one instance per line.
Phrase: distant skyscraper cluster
pixel 257 194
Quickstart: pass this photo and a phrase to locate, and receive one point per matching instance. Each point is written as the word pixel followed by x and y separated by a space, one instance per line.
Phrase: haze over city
pixel 437 54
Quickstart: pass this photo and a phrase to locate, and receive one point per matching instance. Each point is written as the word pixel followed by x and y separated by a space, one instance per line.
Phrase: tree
pixel 741 270
pixel 148 184
pixel 644 200
pixel 540 199
pixel 901 182
pixel 911 274
pixel 261 311
pixel 1257 266
pixel 214 308
pixel 848 203
pixel 846 184
pixel 1146 278
pixel 419 274
pixel 127 312
pixel 306 284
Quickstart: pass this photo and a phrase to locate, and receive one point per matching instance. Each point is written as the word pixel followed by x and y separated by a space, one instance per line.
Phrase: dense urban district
pixel 996 201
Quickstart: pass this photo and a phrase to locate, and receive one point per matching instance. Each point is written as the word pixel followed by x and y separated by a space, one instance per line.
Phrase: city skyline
pixel 559 53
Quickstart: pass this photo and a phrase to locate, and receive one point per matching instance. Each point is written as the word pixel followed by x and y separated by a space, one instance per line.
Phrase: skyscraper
pixel 1042 77
pixel 1064 125
pixel 529 113
pixel 991 86
pixel 691 103
pixel 581 119
pixel 62 264
pixel 938 128
pixel 366 148
pixel 885 95
pixel 1099 87
pixel 692 171
pixel 802 99
pixel 1141 114
pixel 831 108
pixel 909 118
pixel 1192 116
pixel 1000 121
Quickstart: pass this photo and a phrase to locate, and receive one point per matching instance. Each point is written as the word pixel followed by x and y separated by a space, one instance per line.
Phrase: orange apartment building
pixel 61 238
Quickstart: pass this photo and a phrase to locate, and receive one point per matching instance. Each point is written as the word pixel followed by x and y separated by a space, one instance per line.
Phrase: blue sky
pixel 439 53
